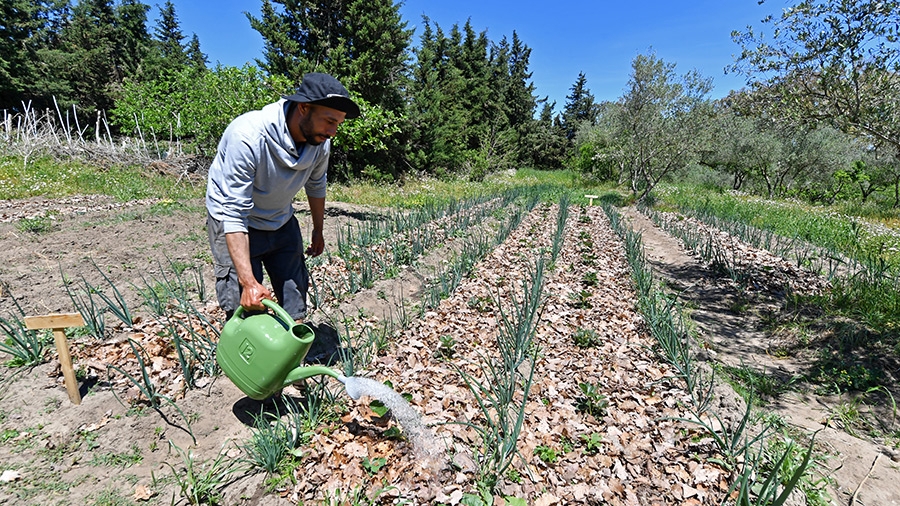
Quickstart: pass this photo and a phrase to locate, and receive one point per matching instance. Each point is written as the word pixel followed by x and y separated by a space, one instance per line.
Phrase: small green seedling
pixel 372 466
pixel 593 402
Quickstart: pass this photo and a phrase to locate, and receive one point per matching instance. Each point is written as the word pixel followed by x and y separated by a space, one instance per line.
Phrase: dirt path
pixel 861 469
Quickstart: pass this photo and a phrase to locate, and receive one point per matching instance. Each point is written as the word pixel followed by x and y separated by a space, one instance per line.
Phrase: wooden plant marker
pixel 59 322
pixel 591 199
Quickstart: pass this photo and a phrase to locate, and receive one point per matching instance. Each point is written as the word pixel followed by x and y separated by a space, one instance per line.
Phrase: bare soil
pixel 54 452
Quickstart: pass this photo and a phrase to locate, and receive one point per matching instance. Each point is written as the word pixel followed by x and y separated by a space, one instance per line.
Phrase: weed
pixel 42 224
pixel 372 466
pixel 447 345
pixel 109 497
pixel 590 279
pixel 581 299
pixel 358 497
pixel 586 338
pixel 50 405
pixel 125 459
pixel 8 434
pixel 592 442
pixel 754 385
pixel 839 377
pixel 480 303
pixel 547 454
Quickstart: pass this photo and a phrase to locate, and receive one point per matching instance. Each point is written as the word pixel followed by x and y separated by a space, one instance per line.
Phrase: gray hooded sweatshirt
pixel 258 170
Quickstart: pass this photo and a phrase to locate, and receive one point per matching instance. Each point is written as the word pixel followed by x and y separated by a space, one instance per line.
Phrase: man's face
pixel 319 123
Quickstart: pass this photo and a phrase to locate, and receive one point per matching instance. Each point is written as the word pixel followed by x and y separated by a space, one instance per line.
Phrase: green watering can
pixel 261 353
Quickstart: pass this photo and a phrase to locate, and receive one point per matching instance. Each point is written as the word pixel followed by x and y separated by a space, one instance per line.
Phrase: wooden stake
pixel 591 199
pixel 59 322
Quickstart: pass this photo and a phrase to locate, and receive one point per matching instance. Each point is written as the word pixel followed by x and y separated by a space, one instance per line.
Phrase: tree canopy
pixel 819 118
pixel 829 61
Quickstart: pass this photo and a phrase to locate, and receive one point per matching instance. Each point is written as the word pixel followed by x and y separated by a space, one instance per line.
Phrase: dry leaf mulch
pixel 765 271
pixel 645 457
pixel 14 210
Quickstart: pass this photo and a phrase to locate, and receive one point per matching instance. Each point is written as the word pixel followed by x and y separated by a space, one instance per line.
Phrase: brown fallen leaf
pixel 142 493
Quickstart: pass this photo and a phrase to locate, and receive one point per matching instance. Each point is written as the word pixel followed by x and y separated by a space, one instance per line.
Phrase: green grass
pixel 862 308
pixel 417 192
pixel 54 179
pixel 859 238
pixel 755 385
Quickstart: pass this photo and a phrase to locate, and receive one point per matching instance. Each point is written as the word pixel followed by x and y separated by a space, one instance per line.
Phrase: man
pixel 263 160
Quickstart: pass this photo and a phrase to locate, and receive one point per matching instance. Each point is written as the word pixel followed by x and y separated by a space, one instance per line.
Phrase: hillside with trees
pixel 818 119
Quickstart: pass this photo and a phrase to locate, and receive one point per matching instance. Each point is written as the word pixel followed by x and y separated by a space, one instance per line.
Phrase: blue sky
pixel 599 37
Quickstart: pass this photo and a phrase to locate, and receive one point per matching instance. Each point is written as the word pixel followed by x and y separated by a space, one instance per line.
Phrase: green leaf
pixel 378 407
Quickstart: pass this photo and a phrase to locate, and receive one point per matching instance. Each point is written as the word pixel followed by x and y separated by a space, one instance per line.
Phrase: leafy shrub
pixel 194 106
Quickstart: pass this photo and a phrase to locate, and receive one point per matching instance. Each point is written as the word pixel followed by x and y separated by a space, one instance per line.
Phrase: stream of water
pixel 419 435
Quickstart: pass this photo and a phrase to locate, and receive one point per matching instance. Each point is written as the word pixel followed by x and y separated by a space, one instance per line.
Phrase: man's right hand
pixel 252 291
pixel 252 296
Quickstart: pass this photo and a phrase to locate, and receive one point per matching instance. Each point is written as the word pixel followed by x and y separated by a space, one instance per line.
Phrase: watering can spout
pixel 302 373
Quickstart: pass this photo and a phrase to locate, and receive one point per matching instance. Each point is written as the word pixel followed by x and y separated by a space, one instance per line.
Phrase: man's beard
pixel 306 129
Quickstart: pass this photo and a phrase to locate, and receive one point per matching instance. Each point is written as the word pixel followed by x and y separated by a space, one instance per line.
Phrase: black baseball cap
pixel 322 89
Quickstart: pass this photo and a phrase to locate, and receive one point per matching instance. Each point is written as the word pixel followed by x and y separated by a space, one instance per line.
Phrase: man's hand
pixel 316 244
pixel 252 295
pixel 252 291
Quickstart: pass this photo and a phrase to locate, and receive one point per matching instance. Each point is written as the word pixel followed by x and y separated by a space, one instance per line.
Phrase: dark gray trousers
pixel 279 252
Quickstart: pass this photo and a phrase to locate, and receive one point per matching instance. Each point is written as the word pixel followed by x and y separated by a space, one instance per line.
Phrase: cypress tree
pixel 376 42
pixel 196 58
pixel 89 44
pixel 20 22
pixel 132 39
pixel 435 115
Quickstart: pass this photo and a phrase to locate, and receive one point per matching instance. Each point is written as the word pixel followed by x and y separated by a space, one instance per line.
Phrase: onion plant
pixel 201 482
pixel 562 216
pixel 26 347
pixel 501 390
pixel 155 398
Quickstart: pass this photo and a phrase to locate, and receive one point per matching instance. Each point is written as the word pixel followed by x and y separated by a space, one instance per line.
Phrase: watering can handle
pixel 286 319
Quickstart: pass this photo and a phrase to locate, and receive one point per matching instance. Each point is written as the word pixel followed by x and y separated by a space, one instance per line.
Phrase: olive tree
pixel 660 124
pixel 829 61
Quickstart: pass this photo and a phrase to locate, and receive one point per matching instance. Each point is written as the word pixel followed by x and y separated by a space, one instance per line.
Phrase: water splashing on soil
pixel 424 442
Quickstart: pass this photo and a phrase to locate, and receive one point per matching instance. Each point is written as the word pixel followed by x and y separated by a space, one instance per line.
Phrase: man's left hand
pixel 316 244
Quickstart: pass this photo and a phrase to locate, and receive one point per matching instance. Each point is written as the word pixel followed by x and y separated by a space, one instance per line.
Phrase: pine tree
pixel 170 39
pixel 19 28
pixel 580 107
